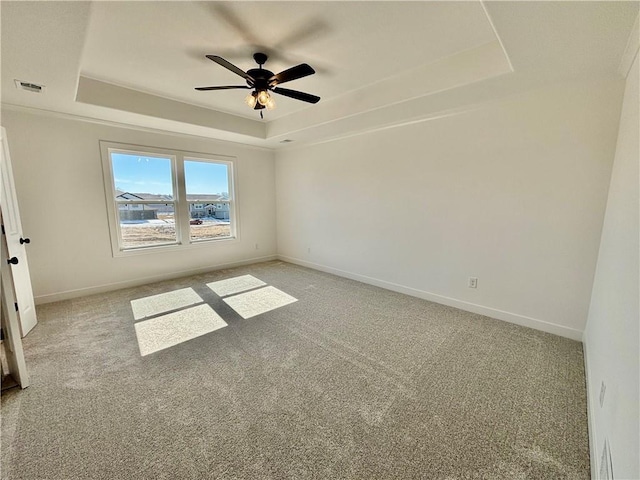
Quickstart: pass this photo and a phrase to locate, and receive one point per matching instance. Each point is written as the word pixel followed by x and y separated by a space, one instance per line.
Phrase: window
pixel 156 198
pixel 207 181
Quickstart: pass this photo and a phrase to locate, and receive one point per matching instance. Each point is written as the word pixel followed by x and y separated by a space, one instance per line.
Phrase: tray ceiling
pixel 377 63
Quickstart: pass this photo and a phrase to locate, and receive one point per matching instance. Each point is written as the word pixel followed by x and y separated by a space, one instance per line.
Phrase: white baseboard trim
pixel 81 292
pixel 522 320
pixel 591 419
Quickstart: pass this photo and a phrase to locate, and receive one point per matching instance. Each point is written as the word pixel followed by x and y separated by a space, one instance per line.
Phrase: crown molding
pixel 111 123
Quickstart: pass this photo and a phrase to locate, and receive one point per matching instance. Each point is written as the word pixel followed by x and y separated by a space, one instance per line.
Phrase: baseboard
pixel 433 297
pixel 591 419
pixel 522 320
pixel 81 292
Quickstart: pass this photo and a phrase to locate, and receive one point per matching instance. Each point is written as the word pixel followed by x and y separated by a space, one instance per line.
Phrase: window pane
pixel 140 177
pixel 210 222
pixel 153 224
pixel 206 181
pixel 207 185
pixel 209 228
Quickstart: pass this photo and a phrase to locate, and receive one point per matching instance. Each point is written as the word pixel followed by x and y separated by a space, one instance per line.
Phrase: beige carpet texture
pixel 275 371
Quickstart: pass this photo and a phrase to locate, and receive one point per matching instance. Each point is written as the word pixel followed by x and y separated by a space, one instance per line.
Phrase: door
pixel 10 324
pixel 16 242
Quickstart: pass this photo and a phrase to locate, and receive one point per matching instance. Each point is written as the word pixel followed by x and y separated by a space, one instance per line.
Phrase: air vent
pixel 29 86
pixel 286 141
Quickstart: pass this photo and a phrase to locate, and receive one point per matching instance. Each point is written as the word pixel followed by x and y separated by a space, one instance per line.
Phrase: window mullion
pixel 182 206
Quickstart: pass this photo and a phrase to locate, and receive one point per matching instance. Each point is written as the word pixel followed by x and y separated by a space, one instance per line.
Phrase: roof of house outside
pixel 204 198
pixel 195 197
pixel 142 196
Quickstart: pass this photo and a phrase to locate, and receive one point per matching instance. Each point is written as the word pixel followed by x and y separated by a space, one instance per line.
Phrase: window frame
pixel 180 202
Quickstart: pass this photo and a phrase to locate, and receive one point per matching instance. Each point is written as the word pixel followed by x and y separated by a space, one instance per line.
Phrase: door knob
pixel 24 240
pixel 13 260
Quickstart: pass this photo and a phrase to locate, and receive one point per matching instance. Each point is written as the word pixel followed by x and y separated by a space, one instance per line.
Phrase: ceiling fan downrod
pixel 260 58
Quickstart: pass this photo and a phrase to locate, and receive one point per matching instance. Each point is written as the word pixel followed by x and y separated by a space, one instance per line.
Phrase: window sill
pixel 173 247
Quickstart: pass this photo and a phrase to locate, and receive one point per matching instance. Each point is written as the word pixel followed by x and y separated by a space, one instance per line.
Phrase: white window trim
pixel 181 205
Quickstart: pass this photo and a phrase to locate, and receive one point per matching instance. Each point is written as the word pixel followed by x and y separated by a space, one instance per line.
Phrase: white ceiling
pixel 352 45
pixel 377 63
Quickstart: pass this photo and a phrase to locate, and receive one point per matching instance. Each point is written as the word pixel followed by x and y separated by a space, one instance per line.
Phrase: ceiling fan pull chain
pixel 261 116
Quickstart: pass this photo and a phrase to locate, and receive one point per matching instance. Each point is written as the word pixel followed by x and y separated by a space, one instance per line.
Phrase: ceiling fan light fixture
pixel 263 97
pixel 271 103
pixel 251 99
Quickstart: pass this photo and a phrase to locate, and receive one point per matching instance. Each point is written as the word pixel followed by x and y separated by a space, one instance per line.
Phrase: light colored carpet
pixel 163 302
pixel 257 302
pixel 172 329
pixel 348 382
pixel 234 285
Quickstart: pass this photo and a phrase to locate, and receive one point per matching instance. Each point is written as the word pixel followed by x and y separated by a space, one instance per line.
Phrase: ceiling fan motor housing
pixel 260 75
pixel 261 78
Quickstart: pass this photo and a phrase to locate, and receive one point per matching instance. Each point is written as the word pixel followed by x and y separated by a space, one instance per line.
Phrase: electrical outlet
pixel 473 282
pixel 603 389
pixel 256 246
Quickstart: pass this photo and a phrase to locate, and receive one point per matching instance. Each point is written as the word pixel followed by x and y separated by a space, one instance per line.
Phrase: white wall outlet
pixel 603 389
pixel 257 246
pixel 473 282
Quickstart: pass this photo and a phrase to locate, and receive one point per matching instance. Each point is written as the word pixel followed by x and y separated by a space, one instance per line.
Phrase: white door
pixel 10 324
pixel 16 242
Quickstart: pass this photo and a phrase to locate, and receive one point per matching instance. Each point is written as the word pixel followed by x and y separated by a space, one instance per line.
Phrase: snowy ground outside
pixel 138 233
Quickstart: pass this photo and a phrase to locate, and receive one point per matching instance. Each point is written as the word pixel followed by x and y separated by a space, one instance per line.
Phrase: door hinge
pixel 16 305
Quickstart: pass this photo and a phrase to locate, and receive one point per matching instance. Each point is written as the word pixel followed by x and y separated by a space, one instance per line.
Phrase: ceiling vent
pixel 29 86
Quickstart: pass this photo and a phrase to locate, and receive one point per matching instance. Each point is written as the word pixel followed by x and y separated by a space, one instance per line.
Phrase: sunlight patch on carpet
pixel 259 301
pixel 174 328
pixel 235 285
pixel 164 302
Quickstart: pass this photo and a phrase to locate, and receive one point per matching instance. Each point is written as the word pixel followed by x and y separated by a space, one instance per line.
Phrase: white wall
pixel 58 176
pixel 611 338
pixel 513 193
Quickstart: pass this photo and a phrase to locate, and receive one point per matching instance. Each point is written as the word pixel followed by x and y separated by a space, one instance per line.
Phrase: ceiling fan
pixel 263 81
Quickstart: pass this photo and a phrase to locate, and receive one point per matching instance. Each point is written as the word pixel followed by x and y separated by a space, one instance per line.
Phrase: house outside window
pixel 156 198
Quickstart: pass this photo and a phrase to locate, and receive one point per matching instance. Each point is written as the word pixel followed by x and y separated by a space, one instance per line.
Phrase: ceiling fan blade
pixel 292 73
pixel 305 97
pixel 221 10
pixel 223 87
pixel 230 66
